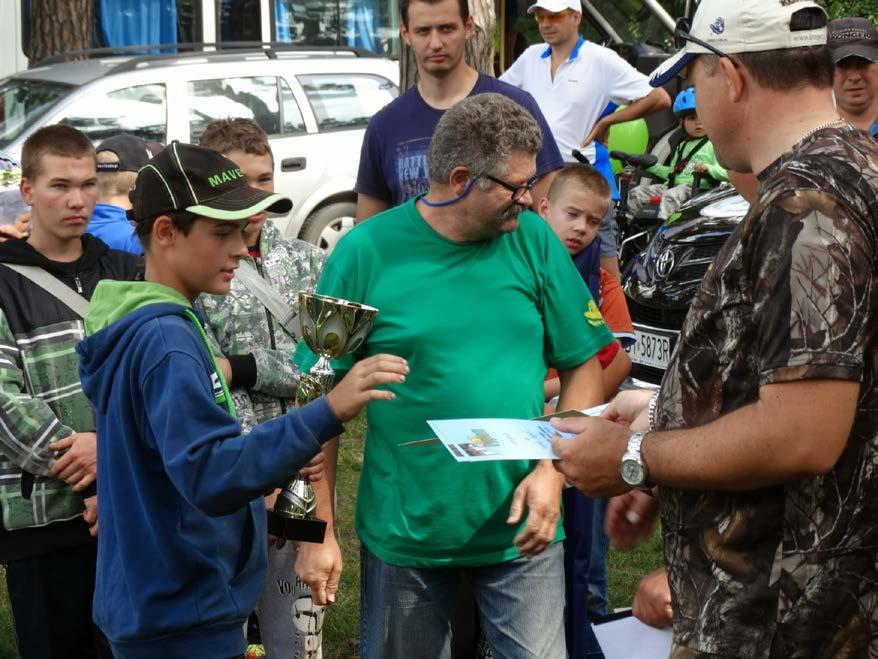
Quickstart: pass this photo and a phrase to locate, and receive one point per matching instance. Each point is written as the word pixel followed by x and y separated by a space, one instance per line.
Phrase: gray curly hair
pixel 480 133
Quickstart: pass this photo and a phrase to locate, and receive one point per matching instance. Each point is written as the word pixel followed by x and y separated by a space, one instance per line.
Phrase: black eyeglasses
pixel 682 35
pixel 518 191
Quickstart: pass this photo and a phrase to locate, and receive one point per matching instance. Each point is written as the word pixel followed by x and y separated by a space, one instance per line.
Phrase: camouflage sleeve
pixel 316 259
pixel 276 375
pixel 27 424
pixel 812 265
pixel 244 409
pixel 211 334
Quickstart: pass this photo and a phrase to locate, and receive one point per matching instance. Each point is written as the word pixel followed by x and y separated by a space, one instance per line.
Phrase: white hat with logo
pixel 555 6
pixel 744 26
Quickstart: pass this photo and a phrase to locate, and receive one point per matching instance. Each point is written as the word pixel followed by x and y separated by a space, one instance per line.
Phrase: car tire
pixel 326 226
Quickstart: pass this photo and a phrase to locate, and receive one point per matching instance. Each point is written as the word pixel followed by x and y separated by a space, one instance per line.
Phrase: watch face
pixel 632 472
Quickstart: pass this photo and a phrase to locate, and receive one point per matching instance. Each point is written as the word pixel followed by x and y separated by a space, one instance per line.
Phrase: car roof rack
pixel 141 56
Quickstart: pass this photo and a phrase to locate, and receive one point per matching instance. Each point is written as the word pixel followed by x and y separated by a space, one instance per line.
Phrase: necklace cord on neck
pixel 448 202
pixel 828 124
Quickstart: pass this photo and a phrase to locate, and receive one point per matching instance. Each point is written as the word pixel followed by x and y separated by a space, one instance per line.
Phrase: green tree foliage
pixel 840 8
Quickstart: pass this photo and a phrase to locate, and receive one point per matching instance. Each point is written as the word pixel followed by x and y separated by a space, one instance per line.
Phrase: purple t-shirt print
pixel 393 160
pixel 411 168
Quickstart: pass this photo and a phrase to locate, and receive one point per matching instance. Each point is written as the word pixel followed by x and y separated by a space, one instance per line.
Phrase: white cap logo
pixel 718 26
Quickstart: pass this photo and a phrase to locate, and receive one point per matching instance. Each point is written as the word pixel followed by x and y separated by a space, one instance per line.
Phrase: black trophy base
pixel 300 530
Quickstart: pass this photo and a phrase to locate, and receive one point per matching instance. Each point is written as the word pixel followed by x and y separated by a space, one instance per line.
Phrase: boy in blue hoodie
pixel 119 158
pixel 182 541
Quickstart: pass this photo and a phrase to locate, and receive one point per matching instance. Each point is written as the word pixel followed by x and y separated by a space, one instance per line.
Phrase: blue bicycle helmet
pixel 685 102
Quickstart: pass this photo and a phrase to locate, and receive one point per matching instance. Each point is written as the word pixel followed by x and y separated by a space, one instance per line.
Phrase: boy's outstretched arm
pixel 217 469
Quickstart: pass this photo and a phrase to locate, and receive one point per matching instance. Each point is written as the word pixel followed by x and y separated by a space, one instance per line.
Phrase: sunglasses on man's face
pixel 549 17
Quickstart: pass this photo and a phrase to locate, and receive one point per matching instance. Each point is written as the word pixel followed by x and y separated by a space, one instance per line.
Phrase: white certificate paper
pixel 628 638
pixel 480 440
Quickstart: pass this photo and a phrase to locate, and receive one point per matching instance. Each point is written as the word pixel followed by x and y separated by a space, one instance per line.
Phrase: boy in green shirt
pixel 692 157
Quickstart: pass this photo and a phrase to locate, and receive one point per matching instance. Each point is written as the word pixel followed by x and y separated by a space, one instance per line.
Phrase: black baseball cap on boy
pixel 200 181
pixel 132 151
pixel 853 37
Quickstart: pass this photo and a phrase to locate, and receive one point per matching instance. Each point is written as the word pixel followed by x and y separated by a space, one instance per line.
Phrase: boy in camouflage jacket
pixel 261 371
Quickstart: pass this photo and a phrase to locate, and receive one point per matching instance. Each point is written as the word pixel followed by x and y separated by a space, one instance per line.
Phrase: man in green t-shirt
pixel 480 297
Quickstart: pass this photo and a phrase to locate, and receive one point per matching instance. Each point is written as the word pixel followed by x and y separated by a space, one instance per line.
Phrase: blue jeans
pixel 608 232
pixel 405 613
pixel 597 567
pixel 581 553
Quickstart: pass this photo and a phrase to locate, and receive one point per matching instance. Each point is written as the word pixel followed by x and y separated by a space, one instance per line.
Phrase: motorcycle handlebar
pixel 641 160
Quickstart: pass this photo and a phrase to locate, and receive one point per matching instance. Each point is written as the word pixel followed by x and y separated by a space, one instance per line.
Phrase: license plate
pixel 651 349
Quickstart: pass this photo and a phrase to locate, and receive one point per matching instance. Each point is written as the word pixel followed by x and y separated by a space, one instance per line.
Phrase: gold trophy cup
pixel 332 328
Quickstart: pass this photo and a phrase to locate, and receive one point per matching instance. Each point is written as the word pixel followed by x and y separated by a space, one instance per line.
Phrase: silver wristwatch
pixel 633 468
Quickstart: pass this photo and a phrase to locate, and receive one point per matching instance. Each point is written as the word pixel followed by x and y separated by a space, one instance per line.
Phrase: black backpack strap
pixel 683 162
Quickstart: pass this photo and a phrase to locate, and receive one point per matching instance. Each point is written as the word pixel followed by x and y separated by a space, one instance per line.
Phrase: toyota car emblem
pixel 664 263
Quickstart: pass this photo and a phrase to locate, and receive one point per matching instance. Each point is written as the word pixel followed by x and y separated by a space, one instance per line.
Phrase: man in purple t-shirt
pixel 393 161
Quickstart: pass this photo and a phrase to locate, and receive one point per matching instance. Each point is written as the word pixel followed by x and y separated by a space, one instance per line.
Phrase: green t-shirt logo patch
pixel 593 315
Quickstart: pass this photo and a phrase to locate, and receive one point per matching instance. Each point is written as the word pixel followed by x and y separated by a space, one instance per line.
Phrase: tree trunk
pixel 55 30
pixel 479 49
pixel 408 67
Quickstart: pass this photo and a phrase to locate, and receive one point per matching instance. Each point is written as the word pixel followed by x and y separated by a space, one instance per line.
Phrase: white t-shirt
pixel 583 85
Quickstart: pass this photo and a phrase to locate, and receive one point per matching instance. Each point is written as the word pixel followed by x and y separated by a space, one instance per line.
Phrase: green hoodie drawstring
pixel 222 379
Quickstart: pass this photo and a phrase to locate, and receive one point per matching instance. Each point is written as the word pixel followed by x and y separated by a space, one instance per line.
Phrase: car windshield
pixel 22 101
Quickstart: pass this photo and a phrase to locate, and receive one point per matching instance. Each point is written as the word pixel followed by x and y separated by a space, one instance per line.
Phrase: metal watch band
pixel 634 443
pixel 651 410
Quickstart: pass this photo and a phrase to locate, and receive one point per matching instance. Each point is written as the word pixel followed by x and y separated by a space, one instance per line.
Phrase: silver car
pixel 313 104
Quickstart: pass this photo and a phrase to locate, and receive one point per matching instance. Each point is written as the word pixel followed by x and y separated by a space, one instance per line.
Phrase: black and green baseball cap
pixel 200 181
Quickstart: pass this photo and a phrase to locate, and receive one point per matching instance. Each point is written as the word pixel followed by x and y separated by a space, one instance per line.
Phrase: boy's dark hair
pixel 182 220
pixel 784 70
pixel 56 140
pixel 224 135
pixel 404 9
pixel 582 175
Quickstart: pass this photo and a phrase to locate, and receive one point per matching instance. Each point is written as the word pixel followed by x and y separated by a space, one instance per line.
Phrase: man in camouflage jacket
pixel 262 375
pixel 763 440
